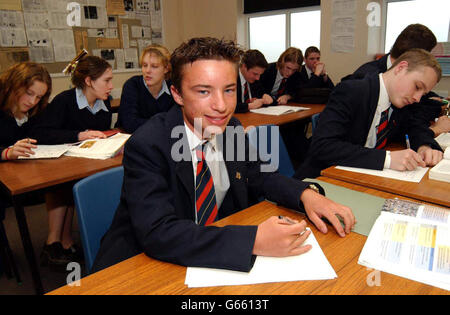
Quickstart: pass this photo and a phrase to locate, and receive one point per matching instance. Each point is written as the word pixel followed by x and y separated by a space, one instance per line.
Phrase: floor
pixel 37 225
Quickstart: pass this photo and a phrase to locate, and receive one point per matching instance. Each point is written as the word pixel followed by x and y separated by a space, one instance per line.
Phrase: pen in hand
pixel 408 144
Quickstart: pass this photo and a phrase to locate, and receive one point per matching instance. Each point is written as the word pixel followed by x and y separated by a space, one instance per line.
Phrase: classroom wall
pixel 368 42
pixel 183 19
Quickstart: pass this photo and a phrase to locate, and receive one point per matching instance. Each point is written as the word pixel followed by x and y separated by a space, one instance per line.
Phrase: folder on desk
pixel 365 207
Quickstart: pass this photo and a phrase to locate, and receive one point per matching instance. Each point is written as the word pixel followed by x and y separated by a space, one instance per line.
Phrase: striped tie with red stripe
pixel 204 191
pixel 382 130
pixel 282 87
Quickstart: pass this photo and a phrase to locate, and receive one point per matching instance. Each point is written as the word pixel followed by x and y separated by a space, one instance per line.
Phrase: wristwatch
pixel 314 187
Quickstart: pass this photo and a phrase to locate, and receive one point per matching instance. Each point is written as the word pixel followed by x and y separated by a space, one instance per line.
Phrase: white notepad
pixel 407 176
pixel 47 152
pixel 278 110
pixel 312 265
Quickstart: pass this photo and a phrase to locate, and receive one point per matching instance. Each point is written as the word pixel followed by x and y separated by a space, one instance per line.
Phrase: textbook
pixel 278 110
pixel 99 148
pixel 410 240
pixel 47 152
pixel 442 170
pixel 443 140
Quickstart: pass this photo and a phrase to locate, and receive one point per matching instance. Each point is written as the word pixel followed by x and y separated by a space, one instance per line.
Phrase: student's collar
pixel 241 76
pixel 279 75
pixel 164 88
pixel 383 100
pixel 389 62
pixel 308 71
pixel 195 141
pixel 83 103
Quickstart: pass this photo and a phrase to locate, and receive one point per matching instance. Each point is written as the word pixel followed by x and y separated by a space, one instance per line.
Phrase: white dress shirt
pixel 243 81
pixel 215 162
pixel 276 86
pixel 383 104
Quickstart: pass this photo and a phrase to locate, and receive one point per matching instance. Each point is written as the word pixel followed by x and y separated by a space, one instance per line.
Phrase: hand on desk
pixel 408 160
pixel 278 238
pixel 318 207
pixel 283 100
pixel 90 134
pixel 20 148
pixel 255 103
pixel 429 156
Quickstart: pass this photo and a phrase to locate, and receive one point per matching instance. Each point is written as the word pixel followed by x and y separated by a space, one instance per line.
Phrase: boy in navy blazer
pixel 250 93
pixel 313 73
pixel 281 79
pixel 166 161
pixel 359 120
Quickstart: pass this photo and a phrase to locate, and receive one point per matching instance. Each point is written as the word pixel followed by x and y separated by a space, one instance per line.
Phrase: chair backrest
pixel 96 199
pixel 261 135
pixel 314 121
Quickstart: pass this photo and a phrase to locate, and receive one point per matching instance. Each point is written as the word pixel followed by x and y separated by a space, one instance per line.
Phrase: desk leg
pixel 27 244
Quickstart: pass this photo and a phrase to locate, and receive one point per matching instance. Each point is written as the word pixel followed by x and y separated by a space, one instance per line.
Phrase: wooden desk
pixel 22 176
pixel 253 119
pixel 427 190
pixel 144 275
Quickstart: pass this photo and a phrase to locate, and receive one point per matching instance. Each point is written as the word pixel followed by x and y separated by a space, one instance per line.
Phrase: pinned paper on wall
pixel 13 5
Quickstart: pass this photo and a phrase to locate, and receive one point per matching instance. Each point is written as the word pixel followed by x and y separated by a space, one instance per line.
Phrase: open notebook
pixel 278 110
pixel 442 170
pixel 443 140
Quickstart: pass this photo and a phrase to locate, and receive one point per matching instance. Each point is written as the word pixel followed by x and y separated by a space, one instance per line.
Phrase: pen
pixel 289 221
pixel 408 144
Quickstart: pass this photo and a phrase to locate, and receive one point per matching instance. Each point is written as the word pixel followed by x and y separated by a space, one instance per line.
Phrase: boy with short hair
pixel 250 93
pixel 167 203
pixel 359 120
pixel 313 73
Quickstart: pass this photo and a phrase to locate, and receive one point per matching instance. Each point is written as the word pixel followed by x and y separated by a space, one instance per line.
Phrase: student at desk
pixel 177 181
pixel 80 113
pixel 74 115
pixel 413 36
pixel 313 73
pixel 250 93
pixel 281 78
pixel 359 120
pixel 148 94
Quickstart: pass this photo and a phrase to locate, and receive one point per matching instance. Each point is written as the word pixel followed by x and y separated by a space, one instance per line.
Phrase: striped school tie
pixel 282 87
pixel 246 93
pixel 204 191
pixel 382 130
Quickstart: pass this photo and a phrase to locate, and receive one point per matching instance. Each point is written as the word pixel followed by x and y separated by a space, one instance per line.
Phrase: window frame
pixel 287 14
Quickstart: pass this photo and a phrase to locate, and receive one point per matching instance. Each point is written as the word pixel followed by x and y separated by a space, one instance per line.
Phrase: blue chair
pixel 96 199
pixel 314 121
pixel 282 156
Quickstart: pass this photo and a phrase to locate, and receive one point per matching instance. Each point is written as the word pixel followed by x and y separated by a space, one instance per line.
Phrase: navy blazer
pixel 314 81
pixel 341 133
pixel 137 104
pixel 270 75
pixel 256 89
pixel 156 210
pixel 427 108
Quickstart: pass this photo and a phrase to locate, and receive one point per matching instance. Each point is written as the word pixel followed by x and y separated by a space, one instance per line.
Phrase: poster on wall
pixel 343 26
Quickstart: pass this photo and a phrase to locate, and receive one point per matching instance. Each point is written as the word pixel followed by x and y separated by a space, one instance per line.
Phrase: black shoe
pixel 75 252
pixel 53 256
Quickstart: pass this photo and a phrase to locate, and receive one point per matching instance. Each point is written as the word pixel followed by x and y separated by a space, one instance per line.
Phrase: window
pixel 268 35
pixel 435 14
pixel 274 33
pixel 305 29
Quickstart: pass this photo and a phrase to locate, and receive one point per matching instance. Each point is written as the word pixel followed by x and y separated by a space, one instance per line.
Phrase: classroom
pixel 312 162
